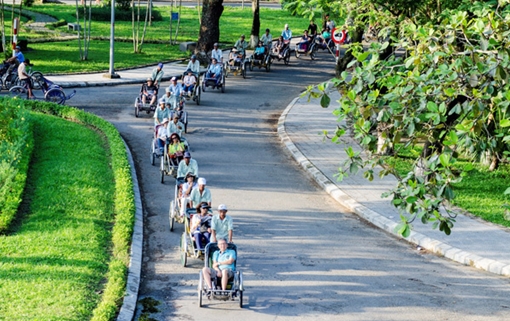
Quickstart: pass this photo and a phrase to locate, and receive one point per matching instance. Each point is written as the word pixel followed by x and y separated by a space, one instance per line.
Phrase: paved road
pixel 303 257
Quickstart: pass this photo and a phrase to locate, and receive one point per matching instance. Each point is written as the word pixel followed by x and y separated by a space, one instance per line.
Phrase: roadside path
pixel 472 242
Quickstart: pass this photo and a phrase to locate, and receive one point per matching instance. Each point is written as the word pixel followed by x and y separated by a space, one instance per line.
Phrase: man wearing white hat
pixel 175 90
pixel 162 135
pixel 161 113
pixel 222 225
pixel 200 194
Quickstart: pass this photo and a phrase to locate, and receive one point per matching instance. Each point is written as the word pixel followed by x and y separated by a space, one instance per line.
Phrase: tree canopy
pixel 442 91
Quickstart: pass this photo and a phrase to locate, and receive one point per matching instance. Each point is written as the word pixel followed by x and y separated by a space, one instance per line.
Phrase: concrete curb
pixel 128 308
pixel 432 245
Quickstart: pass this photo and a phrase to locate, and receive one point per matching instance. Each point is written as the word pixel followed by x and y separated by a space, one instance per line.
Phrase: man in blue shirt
pixel 214 70
pixel 223 266
pixel 286 33
pixel 18 55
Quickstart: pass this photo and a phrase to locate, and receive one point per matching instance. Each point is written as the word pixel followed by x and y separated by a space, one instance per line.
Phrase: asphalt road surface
pixel 302 255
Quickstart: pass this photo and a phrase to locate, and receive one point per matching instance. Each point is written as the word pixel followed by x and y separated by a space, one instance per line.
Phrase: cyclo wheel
pixel 37 77
pixel 198 94
pixel 17 91
pixel 162 169
pixel 184 249
pixel 171 214
pixel 200 289
pixel 55 95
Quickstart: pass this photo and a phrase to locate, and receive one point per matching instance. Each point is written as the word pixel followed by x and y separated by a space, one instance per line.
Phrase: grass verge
pixel 68 258
pixel 481 193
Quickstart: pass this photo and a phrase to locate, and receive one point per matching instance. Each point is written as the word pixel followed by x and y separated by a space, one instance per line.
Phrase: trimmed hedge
pixel 124 205
pixel 16 145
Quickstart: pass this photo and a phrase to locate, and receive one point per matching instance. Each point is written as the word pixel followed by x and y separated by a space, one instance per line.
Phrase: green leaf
pixel 411 199
pixel 444 159
pixel 432 106
pixel 504 122
pixel 363 56
pixel 449 92
pixel 325 100
pixel 507 191
pixel 410 61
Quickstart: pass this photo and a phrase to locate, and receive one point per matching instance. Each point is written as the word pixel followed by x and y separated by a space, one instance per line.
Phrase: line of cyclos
pixel 191 202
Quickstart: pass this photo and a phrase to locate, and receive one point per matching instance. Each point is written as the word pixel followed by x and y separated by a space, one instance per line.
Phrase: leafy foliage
pixel 16 144
pixel 446 91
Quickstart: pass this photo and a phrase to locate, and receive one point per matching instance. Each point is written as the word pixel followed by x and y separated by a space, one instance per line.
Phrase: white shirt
pixel 217 54
pixel 194 66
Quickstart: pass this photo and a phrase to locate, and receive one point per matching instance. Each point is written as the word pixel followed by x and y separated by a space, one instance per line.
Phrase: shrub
pixel 16 144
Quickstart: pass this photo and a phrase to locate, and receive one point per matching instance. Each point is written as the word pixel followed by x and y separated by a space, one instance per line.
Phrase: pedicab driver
pixel 222 225
pixel 194 65
pixel 217 53
pixel 187 165
pixel 25 78
pixel 200 194
pixel 223 266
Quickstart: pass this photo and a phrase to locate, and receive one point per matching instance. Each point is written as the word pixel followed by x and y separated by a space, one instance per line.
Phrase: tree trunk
pixel 178 21
pixel 78 22
pixel 210 26
pixel 133 24
pixel 255 27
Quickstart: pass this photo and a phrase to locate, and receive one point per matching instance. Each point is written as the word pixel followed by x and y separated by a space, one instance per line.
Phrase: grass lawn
pixel 233 23
pixel 46 61
pixel 480 192
pixel 54 260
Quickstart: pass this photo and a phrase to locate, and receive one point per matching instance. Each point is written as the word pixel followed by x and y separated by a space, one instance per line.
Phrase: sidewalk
pixel 131 76
pixel 472 242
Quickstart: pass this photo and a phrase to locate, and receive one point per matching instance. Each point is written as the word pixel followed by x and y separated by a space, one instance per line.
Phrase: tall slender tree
pixel 255 27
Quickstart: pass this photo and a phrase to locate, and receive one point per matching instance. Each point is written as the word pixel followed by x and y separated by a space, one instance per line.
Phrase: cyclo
pixel 261 60
pixel 235 287
pixel 281 50
pixel 216 81
pixel 188 238
pixel 236 63
pixel 197 91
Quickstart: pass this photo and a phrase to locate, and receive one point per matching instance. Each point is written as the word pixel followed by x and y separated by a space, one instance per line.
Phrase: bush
pixel 16 145
pixel 104 14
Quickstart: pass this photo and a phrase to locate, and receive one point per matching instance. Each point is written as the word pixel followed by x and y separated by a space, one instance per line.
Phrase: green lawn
pixel 63 57
pixel 46 61
pixel 481 192
pixel 54 261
